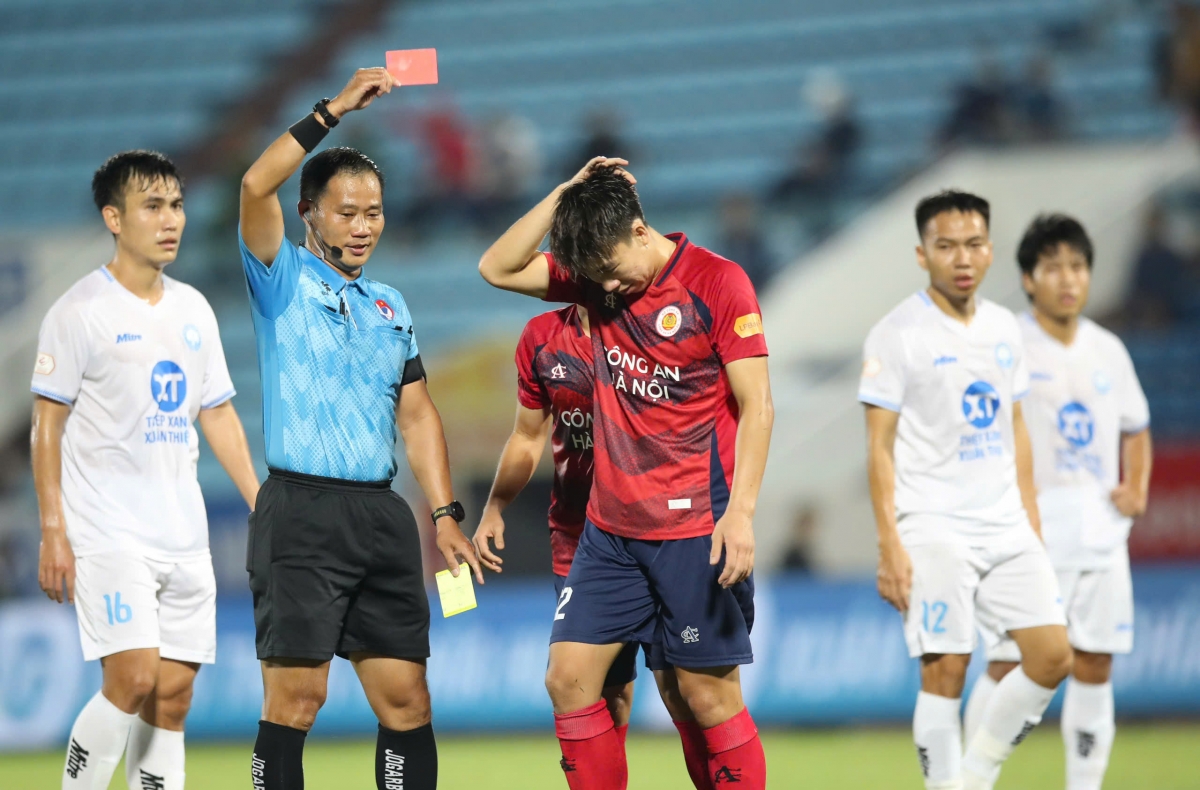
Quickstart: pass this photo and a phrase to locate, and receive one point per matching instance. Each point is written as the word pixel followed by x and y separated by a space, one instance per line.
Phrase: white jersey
pixel 136 377
pixel 1083 397
pixel 954 386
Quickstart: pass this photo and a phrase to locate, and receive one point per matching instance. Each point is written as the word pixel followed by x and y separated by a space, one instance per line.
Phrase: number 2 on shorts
pixel 563 600
pixel 938 610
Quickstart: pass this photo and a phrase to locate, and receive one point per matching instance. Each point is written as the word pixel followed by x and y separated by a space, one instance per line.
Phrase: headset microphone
pixel 331 254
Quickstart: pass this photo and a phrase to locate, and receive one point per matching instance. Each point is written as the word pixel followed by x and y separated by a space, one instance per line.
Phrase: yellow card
pixel 458 595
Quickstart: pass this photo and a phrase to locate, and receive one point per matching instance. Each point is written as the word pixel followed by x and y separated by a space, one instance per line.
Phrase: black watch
pixel 454 510
pixel 321 108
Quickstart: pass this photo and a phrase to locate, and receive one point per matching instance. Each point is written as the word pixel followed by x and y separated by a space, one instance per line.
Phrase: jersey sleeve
pixel 218 386
pixel 271 287
pixel 563 287
pixel 884 370
pixel 737 328
pixel 1135 411
pixel 530 392
pixel 62 357
pixel 1020 375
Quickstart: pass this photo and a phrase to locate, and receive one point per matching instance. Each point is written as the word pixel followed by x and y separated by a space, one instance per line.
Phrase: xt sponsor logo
pixel 76 759
pixel 168 385
pixel 393 770
pixel 1024 733
pixel 568 766
pixel 727 775
pixel 1084 742
pixel 690 635
pixel 923 759
pixel 258 768
pixel 150 781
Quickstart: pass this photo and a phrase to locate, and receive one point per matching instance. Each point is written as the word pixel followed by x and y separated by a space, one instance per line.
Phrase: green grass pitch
pixel 1159 756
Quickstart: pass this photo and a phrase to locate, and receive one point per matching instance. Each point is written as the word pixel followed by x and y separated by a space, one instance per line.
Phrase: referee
pixel 333 554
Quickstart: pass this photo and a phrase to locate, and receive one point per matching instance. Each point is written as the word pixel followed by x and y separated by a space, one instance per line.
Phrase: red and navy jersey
pixel 554 372
pixel 665 416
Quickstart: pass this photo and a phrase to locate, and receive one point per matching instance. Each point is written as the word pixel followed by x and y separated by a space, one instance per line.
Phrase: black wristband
pixel 309 132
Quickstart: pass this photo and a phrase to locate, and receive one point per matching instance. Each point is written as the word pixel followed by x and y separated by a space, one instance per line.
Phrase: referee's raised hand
pixel 363 88
pixel 455 547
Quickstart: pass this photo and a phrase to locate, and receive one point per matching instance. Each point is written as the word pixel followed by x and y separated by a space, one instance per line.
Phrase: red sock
pixel 622 731
pixel 735 754
pixel 695 753
pixel 593 757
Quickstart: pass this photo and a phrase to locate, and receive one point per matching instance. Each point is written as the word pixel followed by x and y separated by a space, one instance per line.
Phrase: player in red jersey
pixel 554 392
pixel 682 423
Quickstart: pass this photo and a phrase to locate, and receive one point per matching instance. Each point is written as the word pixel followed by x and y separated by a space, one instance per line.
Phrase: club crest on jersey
pixel 191 336
pixel 385 310
pixel 610 301
pixel 168 385
pixel 669 320
pixel 558 371
pixel 1004 356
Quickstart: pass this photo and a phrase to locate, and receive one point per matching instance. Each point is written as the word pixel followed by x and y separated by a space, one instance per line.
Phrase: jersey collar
pixel 330 275
pixel 681 246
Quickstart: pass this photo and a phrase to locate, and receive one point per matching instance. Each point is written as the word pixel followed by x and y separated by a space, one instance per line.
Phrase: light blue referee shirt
pixel 331 356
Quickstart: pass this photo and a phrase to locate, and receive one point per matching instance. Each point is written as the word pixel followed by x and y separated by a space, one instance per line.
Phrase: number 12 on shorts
pixel 117 612
pixel 932 615
pixel 563 600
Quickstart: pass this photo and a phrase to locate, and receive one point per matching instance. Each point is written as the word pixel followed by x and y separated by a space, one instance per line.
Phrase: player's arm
pixel 56 560
pixel 420 426
pixel 520 458
pixel 513 262
pixel 1137 453
pixel 751 386
pixel 1024 452
pixel 223 429
pixel 260 214
pixel 894 575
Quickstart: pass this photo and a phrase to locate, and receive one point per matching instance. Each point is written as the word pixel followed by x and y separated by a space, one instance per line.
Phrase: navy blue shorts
pixel 624 668
pixel 660 593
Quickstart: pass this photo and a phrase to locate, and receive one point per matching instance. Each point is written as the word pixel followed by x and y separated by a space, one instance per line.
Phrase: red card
pixel 413 66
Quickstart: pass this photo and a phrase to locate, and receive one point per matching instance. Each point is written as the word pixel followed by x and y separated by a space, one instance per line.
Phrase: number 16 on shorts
pixel 117 612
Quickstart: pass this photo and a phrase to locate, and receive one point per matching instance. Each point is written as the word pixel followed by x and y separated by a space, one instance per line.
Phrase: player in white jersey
pixel 951 480
pixel 1087 418
pixel 127 360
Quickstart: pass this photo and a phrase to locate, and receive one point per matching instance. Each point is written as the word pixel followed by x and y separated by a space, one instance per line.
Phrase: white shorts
pixel 1099 606
pixel 1008 587
pixel 126 602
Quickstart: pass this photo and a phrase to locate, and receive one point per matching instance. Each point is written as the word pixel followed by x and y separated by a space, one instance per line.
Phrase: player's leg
pixel 1100 616
pixel 294 690
pixel 705 633
pixel 1003 657
pixel 605 604
pixel 117 607
pixel 691 734
pixel 618 689
pixel 187 621
pixel 939 628
pixel 1019 594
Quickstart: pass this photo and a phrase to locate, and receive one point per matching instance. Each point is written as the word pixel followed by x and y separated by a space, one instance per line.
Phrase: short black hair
pixel 320 170
pixel 951 200
pixel 1045 233
pixel 592 218
pixel 139 167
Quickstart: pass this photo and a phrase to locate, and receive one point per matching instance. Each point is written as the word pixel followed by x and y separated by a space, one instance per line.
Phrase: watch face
pixel 457 511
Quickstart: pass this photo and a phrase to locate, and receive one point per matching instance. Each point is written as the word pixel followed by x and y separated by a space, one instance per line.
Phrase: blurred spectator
pixel 1039 109
pixel 979 113
pixel 822 166
pixel 1183 55
pixel 509 166
pixel 445 137
pixel 798 556
pixel 1166 284
pixel 602 130
pixel 742 239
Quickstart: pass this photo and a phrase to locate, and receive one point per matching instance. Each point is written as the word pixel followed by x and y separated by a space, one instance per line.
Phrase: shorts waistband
pixel 331 483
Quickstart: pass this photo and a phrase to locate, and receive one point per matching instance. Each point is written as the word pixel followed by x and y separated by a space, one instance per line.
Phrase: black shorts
pixel 335 568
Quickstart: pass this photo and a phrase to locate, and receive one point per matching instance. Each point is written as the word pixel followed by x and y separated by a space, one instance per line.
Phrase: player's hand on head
pixel 56 566
pixel 734 536
pixel 456 549
pixel 600 162
pixel 363 88
pixel 894 576
pixel 491 528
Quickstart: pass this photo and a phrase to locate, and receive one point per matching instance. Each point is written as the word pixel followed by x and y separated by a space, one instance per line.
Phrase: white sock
pixel 154 758
pixel 937 733
pixel 1015 709
pixel 96 744
pixel 1088 728
pixel 981 694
